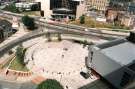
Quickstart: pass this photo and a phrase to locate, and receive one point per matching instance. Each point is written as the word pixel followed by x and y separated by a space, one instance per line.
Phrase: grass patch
pixel 91 23
pixel 36 13
pixel 17 65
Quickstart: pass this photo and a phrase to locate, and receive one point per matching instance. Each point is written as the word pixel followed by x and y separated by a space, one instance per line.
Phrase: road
pixel 102 31
pixel 34 34
pixel 53 29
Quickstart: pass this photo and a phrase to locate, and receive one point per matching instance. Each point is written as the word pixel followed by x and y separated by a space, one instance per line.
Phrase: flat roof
pixel 123 53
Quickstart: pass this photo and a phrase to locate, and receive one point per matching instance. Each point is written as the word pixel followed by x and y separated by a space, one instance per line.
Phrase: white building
pixel 25 5
pixel 115 62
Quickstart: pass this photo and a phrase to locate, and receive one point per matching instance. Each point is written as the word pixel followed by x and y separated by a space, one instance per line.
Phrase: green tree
pixel 11 8
pixel 82 19
pixel 50 84
pixel 28 22
pixel 20 52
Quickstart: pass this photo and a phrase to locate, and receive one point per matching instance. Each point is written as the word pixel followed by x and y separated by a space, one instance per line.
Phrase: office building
pixel 61 8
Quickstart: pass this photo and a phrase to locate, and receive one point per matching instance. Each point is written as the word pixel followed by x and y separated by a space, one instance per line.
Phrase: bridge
pixel 37 33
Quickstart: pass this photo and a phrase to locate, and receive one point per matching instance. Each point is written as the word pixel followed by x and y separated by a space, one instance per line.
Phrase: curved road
pixel 38 33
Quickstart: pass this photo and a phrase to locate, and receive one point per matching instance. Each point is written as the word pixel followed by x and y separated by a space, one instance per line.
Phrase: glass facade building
pixel 63 7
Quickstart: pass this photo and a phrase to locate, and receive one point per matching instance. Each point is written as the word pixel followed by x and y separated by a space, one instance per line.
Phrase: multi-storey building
pixel 120 5
pixel 61 8
pixel 97 4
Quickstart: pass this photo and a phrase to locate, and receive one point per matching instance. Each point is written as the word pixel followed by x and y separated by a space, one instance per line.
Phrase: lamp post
pixel 67 18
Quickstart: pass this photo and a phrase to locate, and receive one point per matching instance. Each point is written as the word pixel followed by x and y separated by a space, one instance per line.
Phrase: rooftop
pixel 123 53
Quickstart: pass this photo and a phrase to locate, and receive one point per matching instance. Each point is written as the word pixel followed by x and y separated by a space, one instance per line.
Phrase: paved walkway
pixel 62 61
pixel 15 36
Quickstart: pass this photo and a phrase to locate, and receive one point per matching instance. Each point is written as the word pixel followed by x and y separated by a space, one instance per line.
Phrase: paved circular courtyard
pixel 65 57
pixel 62 61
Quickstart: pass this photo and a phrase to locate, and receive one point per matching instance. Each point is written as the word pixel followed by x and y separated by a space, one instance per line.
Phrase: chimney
pixel 131 37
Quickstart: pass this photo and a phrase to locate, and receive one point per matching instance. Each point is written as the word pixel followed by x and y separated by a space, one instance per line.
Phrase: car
pixel 85 75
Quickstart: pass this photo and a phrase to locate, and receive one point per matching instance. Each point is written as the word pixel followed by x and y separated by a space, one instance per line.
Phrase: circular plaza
pixel 60 58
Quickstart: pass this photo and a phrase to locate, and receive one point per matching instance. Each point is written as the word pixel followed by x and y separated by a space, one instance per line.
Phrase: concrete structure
pixel 80 9
pixel 100 5
pixel 61 8
pixel 115 61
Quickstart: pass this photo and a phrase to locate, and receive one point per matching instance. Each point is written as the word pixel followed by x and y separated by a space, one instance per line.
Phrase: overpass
pixel 103 31
pixel 57 29
pixel 37 33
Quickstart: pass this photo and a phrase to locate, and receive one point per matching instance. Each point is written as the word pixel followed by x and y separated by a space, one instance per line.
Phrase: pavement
pixel 73 80
pixel 62 61
pixel 15 36
pixel 14 85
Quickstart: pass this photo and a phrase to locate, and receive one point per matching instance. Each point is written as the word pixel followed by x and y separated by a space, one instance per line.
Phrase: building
pixel 61 8
pixel 100 5
pixel 120 5
pixel 115 61
pixel 127 20
pixel 131 8
pixel 5 30
pixel 28 6
pixel 111 15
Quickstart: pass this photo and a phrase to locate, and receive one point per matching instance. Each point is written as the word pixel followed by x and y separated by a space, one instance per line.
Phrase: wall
pixel 80 10
pixel 45 6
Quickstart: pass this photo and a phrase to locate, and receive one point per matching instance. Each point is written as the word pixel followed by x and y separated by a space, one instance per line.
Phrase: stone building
pixel 100 5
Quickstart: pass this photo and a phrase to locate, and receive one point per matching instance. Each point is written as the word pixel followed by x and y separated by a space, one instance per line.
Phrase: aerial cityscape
pixel 67 44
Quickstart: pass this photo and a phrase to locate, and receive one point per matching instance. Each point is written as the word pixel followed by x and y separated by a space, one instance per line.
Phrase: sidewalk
pixel 15 36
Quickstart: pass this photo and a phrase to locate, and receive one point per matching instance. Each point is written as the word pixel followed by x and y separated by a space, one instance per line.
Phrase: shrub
pixel 20 52
pixel 82 19
pixel 11 8
pixel 28 22
pixel 50 84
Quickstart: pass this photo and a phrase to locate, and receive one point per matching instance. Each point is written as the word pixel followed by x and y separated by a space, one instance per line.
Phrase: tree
pixel 28 22
pixel 20 53
pixel 50 84
pixel 11 8
pixel 82 19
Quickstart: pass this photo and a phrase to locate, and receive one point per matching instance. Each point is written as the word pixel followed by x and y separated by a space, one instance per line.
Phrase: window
pixel 91 58
pixel 125 79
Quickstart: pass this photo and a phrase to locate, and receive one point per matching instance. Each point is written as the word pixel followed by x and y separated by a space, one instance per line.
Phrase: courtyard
pixel 61 60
